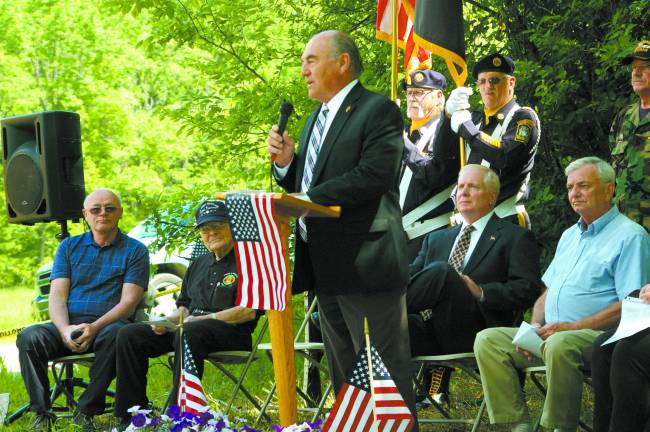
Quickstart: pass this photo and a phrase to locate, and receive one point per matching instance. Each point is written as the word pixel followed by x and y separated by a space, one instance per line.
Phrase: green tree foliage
pixel 176 97
pixel 567 56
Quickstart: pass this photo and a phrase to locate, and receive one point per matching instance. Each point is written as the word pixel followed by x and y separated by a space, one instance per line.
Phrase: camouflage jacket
pixel 629 140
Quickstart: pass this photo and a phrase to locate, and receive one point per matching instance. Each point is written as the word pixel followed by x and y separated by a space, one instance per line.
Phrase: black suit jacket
pixel 434 171
pixel 504 263
pixel 357 168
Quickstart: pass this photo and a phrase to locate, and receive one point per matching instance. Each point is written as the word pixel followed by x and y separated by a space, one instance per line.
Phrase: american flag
pixel 260 258
pixel 353 408
pixel 405 19
pixel 191 397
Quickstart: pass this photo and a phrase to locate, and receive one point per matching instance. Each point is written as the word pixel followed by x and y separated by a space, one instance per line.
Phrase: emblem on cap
pixel 418 77
pixel 496 61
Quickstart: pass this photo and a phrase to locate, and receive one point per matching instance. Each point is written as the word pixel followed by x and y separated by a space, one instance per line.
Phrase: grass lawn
pixel 15 310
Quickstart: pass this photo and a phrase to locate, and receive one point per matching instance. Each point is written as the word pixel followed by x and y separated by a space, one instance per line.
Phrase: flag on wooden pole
pixel 362 394
pixel 413 53
pixel 260 258
pixel 191 397
pixel 438 26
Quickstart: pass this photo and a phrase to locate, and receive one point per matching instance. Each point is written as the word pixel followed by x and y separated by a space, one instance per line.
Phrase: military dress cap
pixel 494 62
pixel 211 211
pixel 425 78
pixel 641 52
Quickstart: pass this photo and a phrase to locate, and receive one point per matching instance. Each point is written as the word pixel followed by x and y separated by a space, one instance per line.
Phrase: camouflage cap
pixel 641 52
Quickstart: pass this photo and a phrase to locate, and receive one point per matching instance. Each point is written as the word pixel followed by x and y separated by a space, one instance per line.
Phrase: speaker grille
pixel 24 176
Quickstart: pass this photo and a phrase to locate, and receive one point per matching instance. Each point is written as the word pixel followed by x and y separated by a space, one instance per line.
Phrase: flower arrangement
pixel 208 421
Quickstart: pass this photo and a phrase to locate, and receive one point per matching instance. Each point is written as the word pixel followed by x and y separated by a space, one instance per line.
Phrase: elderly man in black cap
pixel 431 159
pixel 503 136
pixel 212 321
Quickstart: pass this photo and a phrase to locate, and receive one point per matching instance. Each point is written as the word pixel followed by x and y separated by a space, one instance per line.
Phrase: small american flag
pixel 260 258
pixel 353 408
pixel 191 397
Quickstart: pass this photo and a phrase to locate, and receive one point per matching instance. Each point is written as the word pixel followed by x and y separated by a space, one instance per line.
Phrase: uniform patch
pixel 494 142
pixel 229 278
pixel 523 133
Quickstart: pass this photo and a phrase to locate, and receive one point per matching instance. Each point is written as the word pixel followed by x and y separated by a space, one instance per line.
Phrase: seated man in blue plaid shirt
pixel 97 281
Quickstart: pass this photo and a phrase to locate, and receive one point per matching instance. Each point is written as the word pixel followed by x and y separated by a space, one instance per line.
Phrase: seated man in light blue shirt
pixel 598 262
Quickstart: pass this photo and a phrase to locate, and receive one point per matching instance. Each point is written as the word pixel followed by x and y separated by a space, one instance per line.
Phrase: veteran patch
pixel 524 128
pixel 229 278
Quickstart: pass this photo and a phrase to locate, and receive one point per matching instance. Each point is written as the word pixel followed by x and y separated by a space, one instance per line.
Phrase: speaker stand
pixel 64 234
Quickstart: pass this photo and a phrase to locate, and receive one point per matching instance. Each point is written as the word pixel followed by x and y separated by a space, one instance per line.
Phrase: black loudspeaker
pixel 43 167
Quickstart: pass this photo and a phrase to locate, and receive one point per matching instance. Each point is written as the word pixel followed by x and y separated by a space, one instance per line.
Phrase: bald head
pixel 104 193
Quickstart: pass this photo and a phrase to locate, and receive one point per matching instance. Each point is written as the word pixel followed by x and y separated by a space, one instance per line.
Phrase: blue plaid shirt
pixel 97 273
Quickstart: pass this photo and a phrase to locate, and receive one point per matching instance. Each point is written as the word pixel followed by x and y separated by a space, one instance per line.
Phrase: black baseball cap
pixel 211 211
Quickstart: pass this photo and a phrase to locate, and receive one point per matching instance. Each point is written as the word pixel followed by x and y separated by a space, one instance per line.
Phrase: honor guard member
pixel 431 159
pixel 629 140
pixel 503 136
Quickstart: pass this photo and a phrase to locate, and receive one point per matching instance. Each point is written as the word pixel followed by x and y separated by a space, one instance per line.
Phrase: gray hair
pixel 342 43
pixel 605 171
pixel 119 201
pixel 490 178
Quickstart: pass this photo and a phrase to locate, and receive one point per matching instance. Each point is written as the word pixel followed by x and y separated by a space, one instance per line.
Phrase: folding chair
pixel 535 373
pixel 466 362
pixel 222 359
pixel 302 349
pixel 62 392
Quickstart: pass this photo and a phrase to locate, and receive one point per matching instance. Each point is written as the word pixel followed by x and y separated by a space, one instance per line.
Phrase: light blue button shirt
pixel 596 266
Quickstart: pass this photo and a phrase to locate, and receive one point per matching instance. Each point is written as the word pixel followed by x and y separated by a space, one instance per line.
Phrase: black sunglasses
pixel 97 210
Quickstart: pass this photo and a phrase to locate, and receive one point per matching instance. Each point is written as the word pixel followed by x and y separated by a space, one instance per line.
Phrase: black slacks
pixel 456 316
pixel 42 342
pixel 341 318
pixel 136 343
pixel 621 381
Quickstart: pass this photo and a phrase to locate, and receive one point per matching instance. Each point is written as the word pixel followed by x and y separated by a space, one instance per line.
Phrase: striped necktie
pixel 315 142
pixel 458 255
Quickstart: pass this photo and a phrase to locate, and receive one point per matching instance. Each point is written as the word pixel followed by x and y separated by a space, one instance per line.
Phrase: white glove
pixel 458 99
pixel 458 118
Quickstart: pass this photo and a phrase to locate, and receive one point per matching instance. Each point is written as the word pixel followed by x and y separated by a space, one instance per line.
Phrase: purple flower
pixel 156 421
pixel 139 420
pixel 174 412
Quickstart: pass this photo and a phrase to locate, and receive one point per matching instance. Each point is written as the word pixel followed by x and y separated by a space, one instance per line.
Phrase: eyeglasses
pixel 212 226
pixel 492 81
pixel 417 94
pixel 109 209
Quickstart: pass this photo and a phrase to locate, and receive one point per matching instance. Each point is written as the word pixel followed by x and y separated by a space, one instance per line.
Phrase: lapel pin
pixel 492 238
pixel 347 109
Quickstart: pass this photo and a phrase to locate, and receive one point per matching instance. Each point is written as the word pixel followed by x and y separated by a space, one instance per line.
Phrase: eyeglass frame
pixel 108 209
pixel 493 81
pixel 418 93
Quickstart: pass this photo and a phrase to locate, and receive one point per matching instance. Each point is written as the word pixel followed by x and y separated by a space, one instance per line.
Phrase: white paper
pixel 635 316
pixel 528 339
pixel 160 321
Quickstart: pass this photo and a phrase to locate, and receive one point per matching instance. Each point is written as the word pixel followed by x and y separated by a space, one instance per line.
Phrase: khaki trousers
pixel 566 354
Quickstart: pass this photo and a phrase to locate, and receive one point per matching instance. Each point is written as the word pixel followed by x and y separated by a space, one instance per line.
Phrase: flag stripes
pixel 258 247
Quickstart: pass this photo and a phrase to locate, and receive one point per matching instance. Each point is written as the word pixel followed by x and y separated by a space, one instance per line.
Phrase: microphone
pixel 286 109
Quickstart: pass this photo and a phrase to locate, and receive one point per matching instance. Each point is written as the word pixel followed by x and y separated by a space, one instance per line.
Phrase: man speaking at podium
pixel 349 154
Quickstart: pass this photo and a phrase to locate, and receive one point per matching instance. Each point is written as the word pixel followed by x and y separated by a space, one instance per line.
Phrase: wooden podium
pixel 281 323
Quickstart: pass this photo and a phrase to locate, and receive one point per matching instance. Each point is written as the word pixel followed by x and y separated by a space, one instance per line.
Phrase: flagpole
pixel 366 330
pixel 393 52
pixel 180 351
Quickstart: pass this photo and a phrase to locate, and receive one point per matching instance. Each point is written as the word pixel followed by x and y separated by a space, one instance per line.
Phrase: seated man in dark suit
pixel 213 322
pixel 471 276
